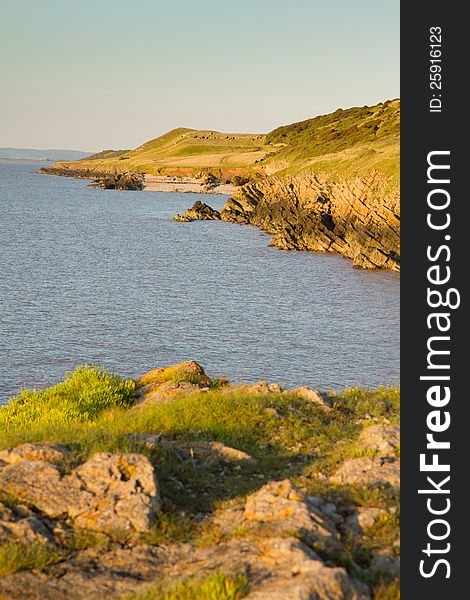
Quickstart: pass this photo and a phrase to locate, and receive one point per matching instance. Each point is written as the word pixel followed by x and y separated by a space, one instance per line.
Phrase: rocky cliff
pixel 358 218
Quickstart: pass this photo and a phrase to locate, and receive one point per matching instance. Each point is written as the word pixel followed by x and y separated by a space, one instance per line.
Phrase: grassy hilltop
pixel 346 142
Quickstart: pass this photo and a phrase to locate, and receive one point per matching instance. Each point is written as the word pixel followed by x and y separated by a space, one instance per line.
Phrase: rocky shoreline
pixel 357 218
pixel 128 523
pixel 205 183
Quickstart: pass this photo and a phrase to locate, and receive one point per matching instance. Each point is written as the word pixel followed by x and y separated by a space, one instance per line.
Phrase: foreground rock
pixel 169 382
pixel 279 565
pixel 380 464
pixel 109 492
pixel 284 509
pixel 358 218
pixel 199 212
pixel 280 568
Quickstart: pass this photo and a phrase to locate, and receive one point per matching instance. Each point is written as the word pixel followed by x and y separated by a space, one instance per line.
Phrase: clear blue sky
pixel 94 74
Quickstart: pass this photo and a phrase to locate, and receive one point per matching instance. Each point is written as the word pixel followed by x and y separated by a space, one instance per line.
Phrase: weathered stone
pixel 35 451
pixel 370 471
pixel 124 493
pixel 39 483
pixel 188 371
pixel 311 395
pixel 169 382
pixel 25 528
pixel 91 574
pixel 382 439
pixel 262 387
pixel 106 493
pixel 199 212
pixel 280 569
pixel 285 509
pixel 211 451
pixel 168 391
pixel 362 519
pixel 298 574
pixel 202 450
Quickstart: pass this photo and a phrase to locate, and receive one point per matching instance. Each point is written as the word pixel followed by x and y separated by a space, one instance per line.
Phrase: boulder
pixel 188 371
pixel 168 391
pixel 311 395
pixel 108 492
pixel 283 507
pixel 262 387
pixel 384 564
pixel 362 519
pixel 36 451
pixel 169 382
pixel 380 465
pixel 199 450
pixel 297 573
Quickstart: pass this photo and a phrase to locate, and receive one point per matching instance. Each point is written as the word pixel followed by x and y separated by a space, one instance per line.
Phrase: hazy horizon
pixel 110 75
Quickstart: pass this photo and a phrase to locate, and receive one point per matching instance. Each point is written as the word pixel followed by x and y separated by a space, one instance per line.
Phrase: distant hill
pixel 345 143
pixel 48 154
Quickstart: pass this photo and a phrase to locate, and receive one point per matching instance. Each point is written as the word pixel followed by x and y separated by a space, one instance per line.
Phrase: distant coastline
pixel 25 160
pixel 327 184
pixel 43 154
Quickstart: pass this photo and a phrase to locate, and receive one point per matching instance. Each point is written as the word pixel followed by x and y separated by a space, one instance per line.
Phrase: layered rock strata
pixel 358 218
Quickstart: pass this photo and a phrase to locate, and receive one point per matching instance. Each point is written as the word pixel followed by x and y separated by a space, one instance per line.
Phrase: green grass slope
pixel 185 150
pixel 344 143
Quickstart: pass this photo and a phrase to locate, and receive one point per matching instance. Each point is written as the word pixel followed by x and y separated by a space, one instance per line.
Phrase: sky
pixel 99 74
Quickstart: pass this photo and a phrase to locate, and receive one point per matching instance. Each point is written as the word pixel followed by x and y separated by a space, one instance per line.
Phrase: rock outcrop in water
pixel 76 523
pixel 198 212
pixel 359 218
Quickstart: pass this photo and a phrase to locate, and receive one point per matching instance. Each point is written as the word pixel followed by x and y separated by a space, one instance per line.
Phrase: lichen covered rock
pixel 109 492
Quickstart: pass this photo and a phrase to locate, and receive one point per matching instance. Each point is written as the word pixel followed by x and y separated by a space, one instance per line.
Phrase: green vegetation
pixel 82 397
pixel 212 587
pixel 174 374
pixel 15 557
pixel 184 151
pixel 345 143
pixel 107 154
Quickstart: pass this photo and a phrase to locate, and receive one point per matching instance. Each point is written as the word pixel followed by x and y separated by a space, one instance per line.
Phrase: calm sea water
pixel 107 278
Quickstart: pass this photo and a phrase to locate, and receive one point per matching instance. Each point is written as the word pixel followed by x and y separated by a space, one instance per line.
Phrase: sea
pixel 106 278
